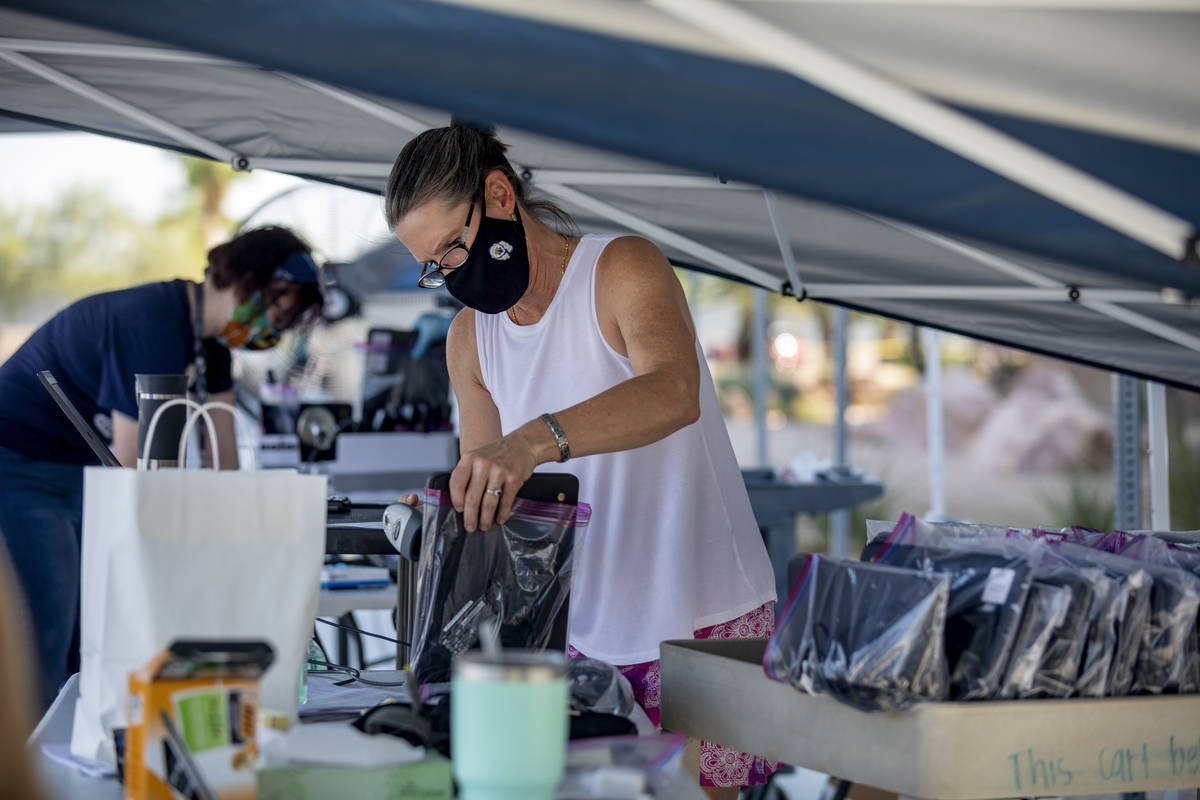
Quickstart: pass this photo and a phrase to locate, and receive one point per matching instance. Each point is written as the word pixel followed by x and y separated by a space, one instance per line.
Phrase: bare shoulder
pixel 633 258
pixel 462 327
pixel 639 296
pixel 461 350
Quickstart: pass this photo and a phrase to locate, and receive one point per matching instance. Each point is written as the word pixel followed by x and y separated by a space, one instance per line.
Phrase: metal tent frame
pixel 739 28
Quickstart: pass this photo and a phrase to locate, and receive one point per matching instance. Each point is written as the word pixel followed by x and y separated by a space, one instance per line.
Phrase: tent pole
pixel 951 129
pixel 89 92
pixel 758 349
pixel 839 520
pixel 934 423
pixel 121 51
pixel 1058 294
pixel 664 236
pixel 785 245
pixel 1156 445
pixel 1127 454
pixel 1104 307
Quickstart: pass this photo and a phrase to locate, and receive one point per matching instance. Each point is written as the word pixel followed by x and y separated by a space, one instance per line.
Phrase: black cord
pixel 356 629
pixel 355 675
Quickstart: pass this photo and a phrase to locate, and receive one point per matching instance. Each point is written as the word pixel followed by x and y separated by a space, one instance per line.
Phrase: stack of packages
pixel 954 611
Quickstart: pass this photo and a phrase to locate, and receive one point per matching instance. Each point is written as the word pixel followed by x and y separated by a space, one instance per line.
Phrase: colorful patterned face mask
pixel 250 328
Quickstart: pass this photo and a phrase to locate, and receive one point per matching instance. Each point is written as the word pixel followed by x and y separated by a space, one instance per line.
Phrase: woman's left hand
pixel 486 480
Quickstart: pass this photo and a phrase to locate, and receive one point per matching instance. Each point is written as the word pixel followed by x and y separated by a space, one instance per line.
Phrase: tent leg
pixel 839 521
pixel 1156 444
pixel 758 346
pixel 934 418
pixel 1127 454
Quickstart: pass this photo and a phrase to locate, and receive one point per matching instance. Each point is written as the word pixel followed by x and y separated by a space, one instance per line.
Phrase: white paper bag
pixel 187 554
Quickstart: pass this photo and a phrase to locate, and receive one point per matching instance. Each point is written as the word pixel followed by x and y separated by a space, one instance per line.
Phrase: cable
pixel 356 629
pixel 355 675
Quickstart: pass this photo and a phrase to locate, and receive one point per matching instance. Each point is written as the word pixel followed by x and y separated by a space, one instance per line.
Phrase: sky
pixel 37 167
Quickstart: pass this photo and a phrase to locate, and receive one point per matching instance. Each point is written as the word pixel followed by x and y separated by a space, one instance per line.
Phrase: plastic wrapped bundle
pixel 1165 657
pixel 1183 556
pixel 1058 672
pixel 869 635
pixel 517 574
pixel 1079 658
pixel 1045 611
pixel 987 594
pixel 599 687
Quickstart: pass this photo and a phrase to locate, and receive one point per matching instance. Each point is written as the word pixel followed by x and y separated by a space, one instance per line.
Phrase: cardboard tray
pixel 716 690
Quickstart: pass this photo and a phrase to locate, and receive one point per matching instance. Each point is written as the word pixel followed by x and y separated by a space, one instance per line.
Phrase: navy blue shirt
pixel 94 347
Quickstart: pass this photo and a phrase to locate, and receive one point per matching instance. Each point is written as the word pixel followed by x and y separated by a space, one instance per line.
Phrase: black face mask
pixel 496 272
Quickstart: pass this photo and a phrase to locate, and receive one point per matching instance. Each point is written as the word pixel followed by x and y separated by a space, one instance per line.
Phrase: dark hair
pixel 248 263
pixel 449 164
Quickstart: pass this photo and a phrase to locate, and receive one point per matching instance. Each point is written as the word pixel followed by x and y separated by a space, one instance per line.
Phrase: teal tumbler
pixel 509 724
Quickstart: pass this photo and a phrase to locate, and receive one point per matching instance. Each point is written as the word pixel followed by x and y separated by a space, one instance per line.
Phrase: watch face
pixel 337 304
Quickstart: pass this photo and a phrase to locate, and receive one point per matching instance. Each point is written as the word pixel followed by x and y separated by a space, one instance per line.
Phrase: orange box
pixel 193 711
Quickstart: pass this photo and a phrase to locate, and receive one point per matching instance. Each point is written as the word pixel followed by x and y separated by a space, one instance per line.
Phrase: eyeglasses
pixel 455 256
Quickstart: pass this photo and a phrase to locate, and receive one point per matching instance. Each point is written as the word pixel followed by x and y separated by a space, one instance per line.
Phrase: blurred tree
pixel 208 184
pixel 85 242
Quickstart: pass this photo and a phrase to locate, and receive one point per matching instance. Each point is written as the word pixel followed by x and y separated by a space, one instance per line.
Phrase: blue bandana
pixel 299 267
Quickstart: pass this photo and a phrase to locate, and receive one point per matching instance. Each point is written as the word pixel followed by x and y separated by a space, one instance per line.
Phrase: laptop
pixel 85 430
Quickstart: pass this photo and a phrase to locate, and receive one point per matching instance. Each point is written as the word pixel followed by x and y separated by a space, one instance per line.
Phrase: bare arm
pixel 125 434
pixel 125 439
pixel 226 433
pixel 478 419
pixel 643 314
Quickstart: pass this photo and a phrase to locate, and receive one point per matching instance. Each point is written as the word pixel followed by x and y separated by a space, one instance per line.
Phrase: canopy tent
pixel 669 118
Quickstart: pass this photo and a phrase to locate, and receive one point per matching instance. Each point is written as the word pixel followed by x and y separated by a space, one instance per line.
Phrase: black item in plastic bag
pixel 517 574
pixel 1064 658
pixel 1105 653
pixel 987 596
pixel 1161 620
pixel 1045 611
pixel 871 636
pixel 599 687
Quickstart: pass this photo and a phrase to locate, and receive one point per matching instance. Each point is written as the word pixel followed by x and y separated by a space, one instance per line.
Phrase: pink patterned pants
pixel 719 766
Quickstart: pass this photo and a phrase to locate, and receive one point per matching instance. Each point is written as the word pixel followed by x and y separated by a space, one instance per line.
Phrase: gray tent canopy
pixel 757 163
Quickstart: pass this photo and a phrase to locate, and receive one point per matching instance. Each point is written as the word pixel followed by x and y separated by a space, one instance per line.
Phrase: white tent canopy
pixel 1034 251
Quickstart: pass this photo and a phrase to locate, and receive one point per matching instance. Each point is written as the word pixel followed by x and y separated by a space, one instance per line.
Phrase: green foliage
pixel 1084 504
pixel 86 243
pixel 1184 468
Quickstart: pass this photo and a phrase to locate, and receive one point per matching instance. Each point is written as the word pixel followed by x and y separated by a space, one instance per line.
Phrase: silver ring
pixel 496 492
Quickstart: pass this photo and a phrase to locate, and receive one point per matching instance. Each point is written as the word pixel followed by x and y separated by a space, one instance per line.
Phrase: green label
pixel 203 719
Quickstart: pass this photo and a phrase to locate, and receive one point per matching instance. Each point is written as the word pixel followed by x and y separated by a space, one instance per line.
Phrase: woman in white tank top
pixel 579 353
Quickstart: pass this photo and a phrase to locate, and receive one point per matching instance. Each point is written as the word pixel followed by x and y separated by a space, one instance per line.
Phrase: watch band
pixel 564 449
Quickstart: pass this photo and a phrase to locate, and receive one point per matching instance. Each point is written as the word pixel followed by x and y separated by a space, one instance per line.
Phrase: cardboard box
pixel 192 722
pixel 716 690
pixel 428 779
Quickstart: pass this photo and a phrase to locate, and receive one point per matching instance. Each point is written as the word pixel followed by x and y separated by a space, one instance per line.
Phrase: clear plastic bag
pixel 599 687
pixel 1154 550
pixel 624 767
pixel 1161 620
pixel 869 635
pixel 987 596
pixel 518 574
pixel 1079 658
pixel 1045 611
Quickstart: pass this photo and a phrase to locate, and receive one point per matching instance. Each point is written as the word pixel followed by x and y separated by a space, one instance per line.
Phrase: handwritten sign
pixel 1118 764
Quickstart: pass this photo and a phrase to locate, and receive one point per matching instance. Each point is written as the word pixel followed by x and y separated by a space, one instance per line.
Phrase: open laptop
pixel 85 430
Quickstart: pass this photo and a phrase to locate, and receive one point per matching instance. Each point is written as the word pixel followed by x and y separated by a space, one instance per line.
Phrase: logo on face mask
pixel 500 251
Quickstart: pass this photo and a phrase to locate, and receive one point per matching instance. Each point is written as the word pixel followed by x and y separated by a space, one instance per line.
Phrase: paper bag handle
pixel 179 401
pixel 239 419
